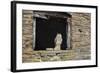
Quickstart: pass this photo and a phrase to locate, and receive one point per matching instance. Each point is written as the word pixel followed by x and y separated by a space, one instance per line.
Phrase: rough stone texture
pixel 42 56
pixel 81 30
pixel 27 27
pixel 81 34
pixel 80 40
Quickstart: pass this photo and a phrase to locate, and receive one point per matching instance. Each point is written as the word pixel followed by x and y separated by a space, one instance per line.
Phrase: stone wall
pixel 80 40
pixel 27 30
pixel 81 34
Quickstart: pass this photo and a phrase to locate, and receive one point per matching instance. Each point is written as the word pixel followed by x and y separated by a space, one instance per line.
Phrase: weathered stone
pixel 49 49
pixel 27 12
pixel 55 58
pixel 29 16
pixel 76 38
pixel 27 32
pixel 27 56
pixel 80 40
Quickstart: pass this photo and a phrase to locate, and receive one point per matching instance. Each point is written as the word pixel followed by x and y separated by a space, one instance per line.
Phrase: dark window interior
pixel 46 31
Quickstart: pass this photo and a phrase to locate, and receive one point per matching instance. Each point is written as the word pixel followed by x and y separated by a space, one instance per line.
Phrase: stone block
pixel 27 12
